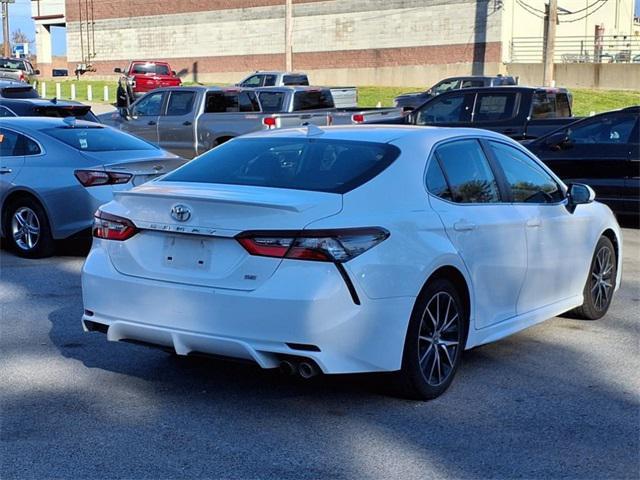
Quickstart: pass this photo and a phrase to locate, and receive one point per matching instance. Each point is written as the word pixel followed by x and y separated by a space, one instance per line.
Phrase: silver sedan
pixel 55 173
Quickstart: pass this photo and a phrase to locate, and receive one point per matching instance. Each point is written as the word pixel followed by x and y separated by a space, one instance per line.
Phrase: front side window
pixel 180 102
pixel 253 81
pixel 494 107
pixel 467 171
pixel 449 109
pixel 98 139
pixel 608 129
pixel 543 105
pixel 334 166
pixel 445 86
pixel 148 106
pixel 528 182
pixel 472 83
pixel 270 80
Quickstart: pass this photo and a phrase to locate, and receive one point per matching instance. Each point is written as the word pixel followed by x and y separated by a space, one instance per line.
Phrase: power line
pixel 604 2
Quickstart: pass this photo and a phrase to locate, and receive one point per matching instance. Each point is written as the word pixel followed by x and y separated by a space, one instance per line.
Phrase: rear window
pixel 81 113
pixel 97 139
pixel 295 80
pixel 13 64
pixel 18 92
pixel 312 100
pixel 271 101
pixel 335 166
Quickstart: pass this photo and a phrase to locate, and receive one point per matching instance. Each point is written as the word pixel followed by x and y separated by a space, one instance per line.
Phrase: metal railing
pixel 604 49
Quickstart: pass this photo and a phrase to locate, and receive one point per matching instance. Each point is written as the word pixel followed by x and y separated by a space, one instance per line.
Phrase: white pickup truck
pixel 191 120
pixel 343 97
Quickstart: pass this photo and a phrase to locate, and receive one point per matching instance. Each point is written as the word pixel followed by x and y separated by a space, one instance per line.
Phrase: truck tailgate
pixel 344 97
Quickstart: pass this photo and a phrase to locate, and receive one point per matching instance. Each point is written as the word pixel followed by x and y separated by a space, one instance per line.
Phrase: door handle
pixel 4 170
pixel 186 123
pixel 151 122
pixel 463 226
pixel 533 223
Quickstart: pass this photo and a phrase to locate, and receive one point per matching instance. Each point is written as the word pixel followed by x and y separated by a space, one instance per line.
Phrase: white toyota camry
pixel 350 249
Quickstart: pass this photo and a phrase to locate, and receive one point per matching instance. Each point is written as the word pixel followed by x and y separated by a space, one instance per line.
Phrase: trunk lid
pixel 201 249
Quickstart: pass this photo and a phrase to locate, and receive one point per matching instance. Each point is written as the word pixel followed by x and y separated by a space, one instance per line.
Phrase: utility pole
pixel 288 35
pixel 549 42
pixel 5 27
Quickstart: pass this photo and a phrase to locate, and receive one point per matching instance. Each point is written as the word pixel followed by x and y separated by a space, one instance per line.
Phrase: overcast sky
pixel 20 18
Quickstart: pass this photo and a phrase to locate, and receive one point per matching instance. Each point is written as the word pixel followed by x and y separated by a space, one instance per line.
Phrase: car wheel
pixel 27 229
pixel 434 343
pixel 598 291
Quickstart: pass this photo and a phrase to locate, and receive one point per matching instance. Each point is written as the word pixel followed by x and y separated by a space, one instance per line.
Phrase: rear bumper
pixel 302 303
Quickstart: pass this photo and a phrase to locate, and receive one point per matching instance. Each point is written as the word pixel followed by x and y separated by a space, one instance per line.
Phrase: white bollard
pixel 58 91
pixel 73 91
pixel 105 97
pixel 89 93
pixel 43 94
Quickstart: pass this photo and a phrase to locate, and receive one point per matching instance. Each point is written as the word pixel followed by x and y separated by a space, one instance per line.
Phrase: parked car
pixel 343 97
pixel 409 101
pixel 191 120
pixel 17 89
pixel 42 107
pixel 602 151
pixel 55 173
pixel 144 76
pixel 315 99
pixel 518 112
pixel 320 250
pixel 19 69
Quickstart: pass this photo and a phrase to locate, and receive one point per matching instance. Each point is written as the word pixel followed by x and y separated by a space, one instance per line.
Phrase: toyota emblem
pixel 181 213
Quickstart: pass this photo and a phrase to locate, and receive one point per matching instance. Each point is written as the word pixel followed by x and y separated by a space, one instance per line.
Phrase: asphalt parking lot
pixel 558 400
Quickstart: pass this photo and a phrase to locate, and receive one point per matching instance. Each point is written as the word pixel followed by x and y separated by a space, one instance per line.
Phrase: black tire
pixel 598 290
pixel 41 243
pixel 423 375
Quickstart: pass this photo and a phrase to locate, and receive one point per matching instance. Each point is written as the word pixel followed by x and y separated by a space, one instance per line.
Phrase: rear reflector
pixel 335 246
pixel 112 227
pixel 92 178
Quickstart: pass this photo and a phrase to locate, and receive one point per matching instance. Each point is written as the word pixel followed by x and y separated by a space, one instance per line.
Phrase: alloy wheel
pixel 602 278
pixel 439 338
pixel 25 228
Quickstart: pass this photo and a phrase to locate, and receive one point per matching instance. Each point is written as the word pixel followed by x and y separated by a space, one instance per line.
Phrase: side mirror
pixel 558 139
pixel 36 72
pixel 117 70
pixel 173 72
pixel 579 194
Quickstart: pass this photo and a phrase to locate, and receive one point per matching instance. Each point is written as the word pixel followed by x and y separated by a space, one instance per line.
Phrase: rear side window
pixel 248 102
pixel 221 102
pixel 98 139
pixel 528 182
pixel 449 109
pixel 271 101
pixel 492 107
pixel 563 106
pixel 544 106
pixel 5 112
pixel 335 166
pixel 467 171
pixel 295 80
pixel 180 102
pixel 312 100
pixel 15 144
pixel 436 183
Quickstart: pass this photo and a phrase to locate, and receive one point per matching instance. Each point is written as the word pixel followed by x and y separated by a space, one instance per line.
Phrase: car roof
pixel 290 88
pixel 376 133
pixel 276 72
pixel 506 88
pixel 41 123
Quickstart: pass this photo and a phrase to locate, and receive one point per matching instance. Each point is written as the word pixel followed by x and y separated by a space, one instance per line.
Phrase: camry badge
pixel 181 213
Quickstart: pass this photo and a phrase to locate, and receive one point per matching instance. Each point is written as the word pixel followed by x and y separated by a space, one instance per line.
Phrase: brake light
pixel 269 122
pixel 357 118
pixel 112 227
pixel 92 178
pixel 336 246
pixel 22 77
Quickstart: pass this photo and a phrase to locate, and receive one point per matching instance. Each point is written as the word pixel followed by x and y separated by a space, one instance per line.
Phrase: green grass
pixel 584 101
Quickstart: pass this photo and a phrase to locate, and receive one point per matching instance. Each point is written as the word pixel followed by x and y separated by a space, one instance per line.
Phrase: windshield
pixel 13 64
pixel 335 166
pixel 97 139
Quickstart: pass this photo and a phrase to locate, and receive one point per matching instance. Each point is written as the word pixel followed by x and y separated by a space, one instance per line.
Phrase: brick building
pixel 390 42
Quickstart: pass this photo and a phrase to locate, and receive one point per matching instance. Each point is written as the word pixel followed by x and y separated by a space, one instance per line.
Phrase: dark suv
pixel 602 151
pixel 409 101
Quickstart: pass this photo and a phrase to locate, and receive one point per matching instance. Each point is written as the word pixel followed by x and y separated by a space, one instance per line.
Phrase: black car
pixel 602 151
pixel 409 101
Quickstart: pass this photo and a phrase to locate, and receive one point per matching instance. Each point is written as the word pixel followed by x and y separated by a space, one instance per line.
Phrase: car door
pixel 497 112
pixel 632 178
pixel 11 158
pixel 558 248
pixel 595 151
pixel 488 233
pixel 145 113
pixel 176 129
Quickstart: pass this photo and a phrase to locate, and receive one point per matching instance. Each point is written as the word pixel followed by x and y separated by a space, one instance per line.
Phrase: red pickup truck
pixel 144 76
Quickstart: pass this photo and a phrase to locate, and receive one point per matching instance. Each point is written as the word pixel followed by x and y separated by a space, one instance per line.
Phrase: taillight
pixel 22 77
pixel 112 227
pixel 357 118
pixel 92 178
pixel 335 246
pixel 269 122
